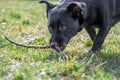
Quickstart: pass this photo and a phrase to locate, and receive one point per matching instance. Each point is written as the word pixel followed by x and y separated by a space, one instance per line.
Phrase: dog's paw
pixel 89 53
pixel 93 51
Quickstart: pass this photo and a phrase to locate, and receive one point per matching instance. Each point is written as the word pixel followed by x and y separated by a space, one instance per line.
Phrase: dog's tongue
pixel 60 48
pixel 64 44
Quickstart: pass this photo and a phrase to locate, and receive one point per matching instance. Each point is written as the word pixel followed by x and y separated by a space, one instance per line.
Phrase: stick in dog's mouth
pixel 27 46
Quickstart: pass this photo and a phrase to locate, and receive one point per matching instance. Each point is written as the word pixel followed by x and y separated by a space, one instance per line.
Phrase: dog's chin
pixel 59 48
pixel 62 48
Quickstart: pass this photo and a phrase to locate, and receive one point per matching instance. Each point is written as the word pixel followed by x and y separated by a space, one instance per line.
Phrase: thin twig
pixel 27 46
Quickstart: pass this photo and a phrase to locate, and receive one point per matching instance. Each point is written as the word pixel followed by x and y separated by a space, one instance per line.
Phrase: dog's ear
pixel 48 5
pixel 78 9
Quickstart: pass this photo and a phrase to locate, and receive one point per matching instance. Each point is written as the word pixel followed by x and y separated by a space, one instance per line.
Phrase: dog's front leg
pixel 103 30
pixel 92 33
pixel 97 45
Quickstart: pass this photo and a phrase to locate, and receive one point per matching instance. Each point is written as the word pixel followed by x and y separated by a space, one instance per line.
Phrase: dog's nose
pixel 53 44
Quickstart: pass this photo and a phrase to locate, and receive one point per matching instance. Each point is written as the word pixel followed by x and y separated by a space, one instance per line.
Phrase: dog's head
pixel 64 21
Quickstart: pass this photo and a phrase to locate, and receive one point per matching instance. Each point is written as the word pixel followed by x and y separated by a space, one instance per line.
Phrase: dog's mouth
pixel 59 48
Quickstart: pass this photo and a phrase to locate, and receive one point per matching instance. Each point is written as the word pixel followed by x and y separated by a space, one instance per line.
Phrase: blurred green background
pixel 25 21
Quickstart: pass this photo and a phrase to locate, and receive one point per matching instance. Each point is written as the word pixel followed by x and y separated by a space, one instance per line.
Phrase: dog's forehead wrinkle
pixel 59 13
pixel 61 7
pixel 53 19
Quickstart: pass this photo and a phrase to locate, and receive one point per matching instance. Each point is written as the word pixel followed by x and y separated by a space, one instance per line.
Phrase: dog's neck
pixel 91 13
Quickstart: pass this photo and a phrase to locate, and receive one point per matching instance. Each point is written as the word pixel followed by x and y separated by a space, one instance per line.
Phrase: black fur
pixel 71 16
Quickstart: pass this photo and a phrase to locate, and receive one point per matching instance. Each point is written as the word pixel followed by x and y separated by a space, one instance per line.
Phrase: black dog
pixel 71 16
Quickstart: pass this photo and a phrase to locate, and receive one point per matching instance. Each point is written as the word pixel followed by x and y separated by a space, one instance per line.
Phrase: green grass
pixel 25 22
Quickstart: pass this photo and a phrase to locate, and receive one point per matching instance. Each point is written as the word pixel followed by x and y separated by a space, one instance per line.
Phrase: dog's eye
pixel 62 28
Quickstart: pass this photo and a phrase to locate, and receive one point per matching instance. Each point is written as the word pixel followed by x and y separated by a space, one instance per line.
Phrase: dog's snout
pixel 53 44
